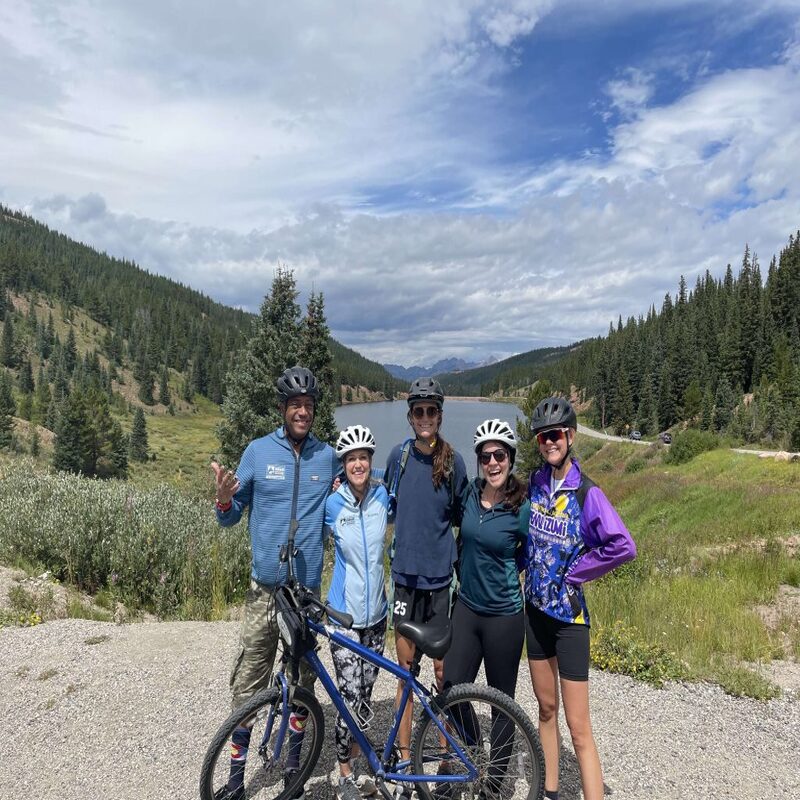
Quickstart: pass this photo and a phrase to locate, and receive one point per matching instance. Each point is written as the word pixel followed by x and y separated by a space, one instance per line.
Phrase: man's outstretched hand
pixel 226 482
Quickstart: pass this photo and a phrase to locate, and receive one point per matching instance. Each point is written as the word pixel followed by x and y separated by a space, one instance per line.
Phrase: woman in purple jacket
pixel 575 536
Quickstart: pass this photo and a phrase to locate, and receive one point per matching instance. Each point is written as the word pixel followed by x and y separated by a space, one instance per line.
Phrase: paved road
pixel 600 435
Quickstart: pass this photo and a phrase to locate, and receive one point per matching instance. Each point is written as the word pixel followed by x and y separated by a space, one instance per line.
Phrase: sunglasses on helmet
pixel 499 456
pixel 418 412
pixel 553 435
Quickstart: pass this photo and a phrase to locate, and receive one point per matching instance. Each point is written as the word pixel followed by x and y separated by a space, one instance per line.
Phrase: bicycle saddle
pixel 432 640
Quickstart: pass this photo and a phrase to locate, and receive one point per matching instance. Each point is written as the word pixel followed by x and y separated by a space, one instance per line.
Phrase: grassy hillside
pixel 712 593
pixel 717 539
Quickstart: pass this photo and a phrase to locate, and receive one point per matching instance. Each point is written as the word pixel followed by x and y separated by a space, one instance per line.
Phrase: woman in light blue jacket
pixel 355 518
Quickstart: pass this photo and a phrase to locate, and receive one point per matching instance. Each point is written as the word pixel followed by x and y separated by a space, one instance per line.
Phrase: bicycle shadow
pixel 322 783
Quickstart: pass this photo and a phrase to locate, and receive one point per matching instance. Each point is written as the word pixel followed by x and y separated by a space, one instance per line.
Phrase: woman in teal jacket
pixel 489 618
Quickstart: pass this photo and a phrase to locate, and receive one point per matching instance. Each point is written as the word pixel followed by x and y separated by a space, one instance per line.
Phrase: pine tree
pixel 7 411
pixel 201 363
pixel 692 401
pixel 707 411
pixel 118 452
pixel 26 385
pixel 666 404
pixel 146 386
pixel 528 458
pixel 724 403
pixel 71 430
pixel 137 443
pixel 70 351
pixel 8 345
pixel 250 408
pixel 36 442
pixel 164 396
pixel 25 406
pixel 315 354
pixel 623 410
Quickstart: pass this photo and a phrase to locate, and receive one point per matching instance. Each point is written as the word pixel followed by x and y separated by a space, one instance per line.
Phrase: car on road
pixel 635 436
pixel 665 437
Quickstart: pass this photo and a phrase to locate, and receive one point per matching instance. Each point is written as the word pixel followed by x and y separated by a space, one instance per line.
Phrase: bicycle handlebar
pixel 345 620
pixel 287 555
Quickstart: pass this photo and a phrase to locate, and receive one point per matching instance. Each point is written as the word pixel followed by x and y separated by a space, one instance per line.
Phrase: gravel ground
pixel 91 710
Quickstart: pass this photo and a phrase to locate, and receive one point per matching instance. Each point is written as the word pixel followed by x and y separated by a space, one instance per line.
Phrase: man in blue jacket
pixel 283 480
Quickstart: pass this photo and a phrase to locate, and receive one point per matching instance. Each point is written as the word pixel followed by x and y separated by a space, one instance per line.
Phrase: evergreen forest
pixel 723 356
pixel 88 341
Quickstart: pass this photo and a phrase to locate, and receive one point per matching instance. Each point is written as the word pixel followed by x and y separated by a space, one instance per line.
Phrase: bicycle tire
pixel 264 777
pixel 497 736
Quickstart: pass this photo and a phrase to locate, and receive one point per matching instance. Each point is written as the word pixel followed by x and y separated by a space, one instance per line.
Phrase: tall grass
pixel 152 549
pixel 709 535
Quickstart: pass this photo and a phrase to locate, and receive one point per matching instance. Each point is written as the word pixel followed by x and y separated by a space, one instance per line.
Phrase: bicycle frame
pixel 410 684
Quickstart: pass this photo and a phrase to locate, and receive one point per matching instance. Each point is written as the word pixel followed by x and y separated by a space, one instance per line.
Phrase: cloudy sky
pixel 460 178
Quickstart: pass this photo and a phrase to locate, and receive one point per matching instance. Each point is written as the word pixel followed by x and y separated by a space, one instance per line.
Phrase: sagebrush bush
pixel 152 549
pixel 690 443
pixel 635 464
pixel 620 648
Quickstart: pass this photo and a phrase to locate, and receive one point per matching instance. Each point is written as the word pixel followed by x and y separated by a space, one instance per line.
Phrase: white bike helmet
pixel 494 430
pixel 355 437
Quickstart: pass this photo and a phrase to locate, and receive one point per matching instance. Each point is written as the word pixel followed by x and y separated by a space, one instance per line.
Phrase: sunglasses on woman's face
pixel 553 435
pixel 418 412
pixel 499 456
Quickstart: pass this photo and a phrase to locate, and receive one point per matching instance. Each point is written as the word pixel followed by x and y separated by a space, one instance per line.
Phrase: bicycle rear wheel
pixel 497 736
pixel 265 774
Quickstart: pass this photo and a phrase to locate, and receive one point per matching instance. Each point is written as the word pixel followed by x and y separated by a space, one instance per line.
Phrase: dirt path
pixel 91 710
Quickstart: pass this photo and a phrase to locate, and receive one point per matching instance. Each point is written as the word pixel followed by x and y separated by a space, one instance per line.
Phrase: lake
pixel 388 423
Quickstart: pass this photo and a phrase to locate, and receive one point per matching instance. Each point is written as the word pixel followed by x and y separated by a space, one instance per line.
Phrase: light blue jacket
pixel 277 485
pixel 359 533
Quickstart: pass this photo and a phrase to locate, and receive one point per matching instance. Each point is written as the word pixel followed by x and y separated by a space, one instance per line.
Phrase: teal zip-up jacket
pixel 276 486
pixel 359 536
pixel 490 541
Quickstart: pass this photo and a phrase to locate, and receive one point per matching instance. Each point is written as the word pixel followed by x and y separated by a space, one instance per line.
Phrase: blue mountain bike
pixel 468 742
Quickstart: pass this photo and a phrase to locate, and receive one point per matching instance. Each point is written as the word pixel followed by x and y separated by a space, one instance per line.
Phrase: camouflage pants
pixel 258 643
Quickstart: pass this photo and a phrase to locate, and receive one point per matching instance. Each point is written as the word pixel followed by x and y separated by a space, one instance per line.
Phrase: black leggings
pixel 495 640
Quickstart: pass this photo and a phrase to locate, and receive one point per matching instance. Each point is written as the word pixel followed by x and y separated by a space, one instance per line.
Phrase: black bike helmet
pixel 295 382
pixel 553 412
pixel 426 389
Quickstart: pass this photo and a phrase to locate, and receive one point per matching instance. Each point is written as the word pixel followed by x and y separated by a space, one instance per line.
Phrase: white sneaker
pixel 346 789
pixel 366 785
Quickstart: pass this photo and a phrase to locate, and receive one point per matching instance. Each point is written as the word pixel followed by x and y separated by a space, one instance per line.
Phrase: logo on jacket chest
pixel 551 524
pixel 276 472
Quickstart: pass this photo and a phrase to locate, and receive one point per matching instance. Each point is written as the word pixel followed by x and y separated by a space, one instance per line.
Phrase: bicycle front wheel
pixel 257 766
pixel 496 735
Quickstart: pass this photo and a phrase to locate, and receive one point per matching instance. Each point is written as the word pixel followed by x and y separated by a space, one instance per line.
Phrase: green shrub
pixel 153 549
pixel 620 648
pixel 635 464
pixel 685 446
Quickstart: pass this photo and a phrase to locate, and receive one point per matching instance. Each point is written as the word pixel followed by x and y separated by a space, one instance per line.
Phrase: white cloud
pixel 630 93
pixel 211 147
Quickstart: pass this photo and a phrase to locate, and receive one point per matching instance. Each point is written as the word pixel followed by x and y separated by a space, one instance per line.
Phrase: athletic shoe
pixel 366 785
pixel 288 777
pixel 224 793
pixel 347 789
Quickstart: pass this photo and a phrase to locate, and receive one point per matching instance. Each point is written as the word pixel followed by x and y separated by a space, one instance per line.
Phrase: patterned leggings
pixel 355 677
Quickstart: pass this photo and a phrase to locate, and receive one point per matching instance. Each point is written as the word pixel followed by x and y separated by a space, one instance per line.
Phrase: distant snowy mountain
pixel 445 365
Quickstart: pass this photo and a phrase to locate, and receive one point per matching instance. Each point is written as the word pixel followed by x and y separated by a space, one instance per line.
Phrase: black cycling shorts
pixel 420 605
pixel 547 637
